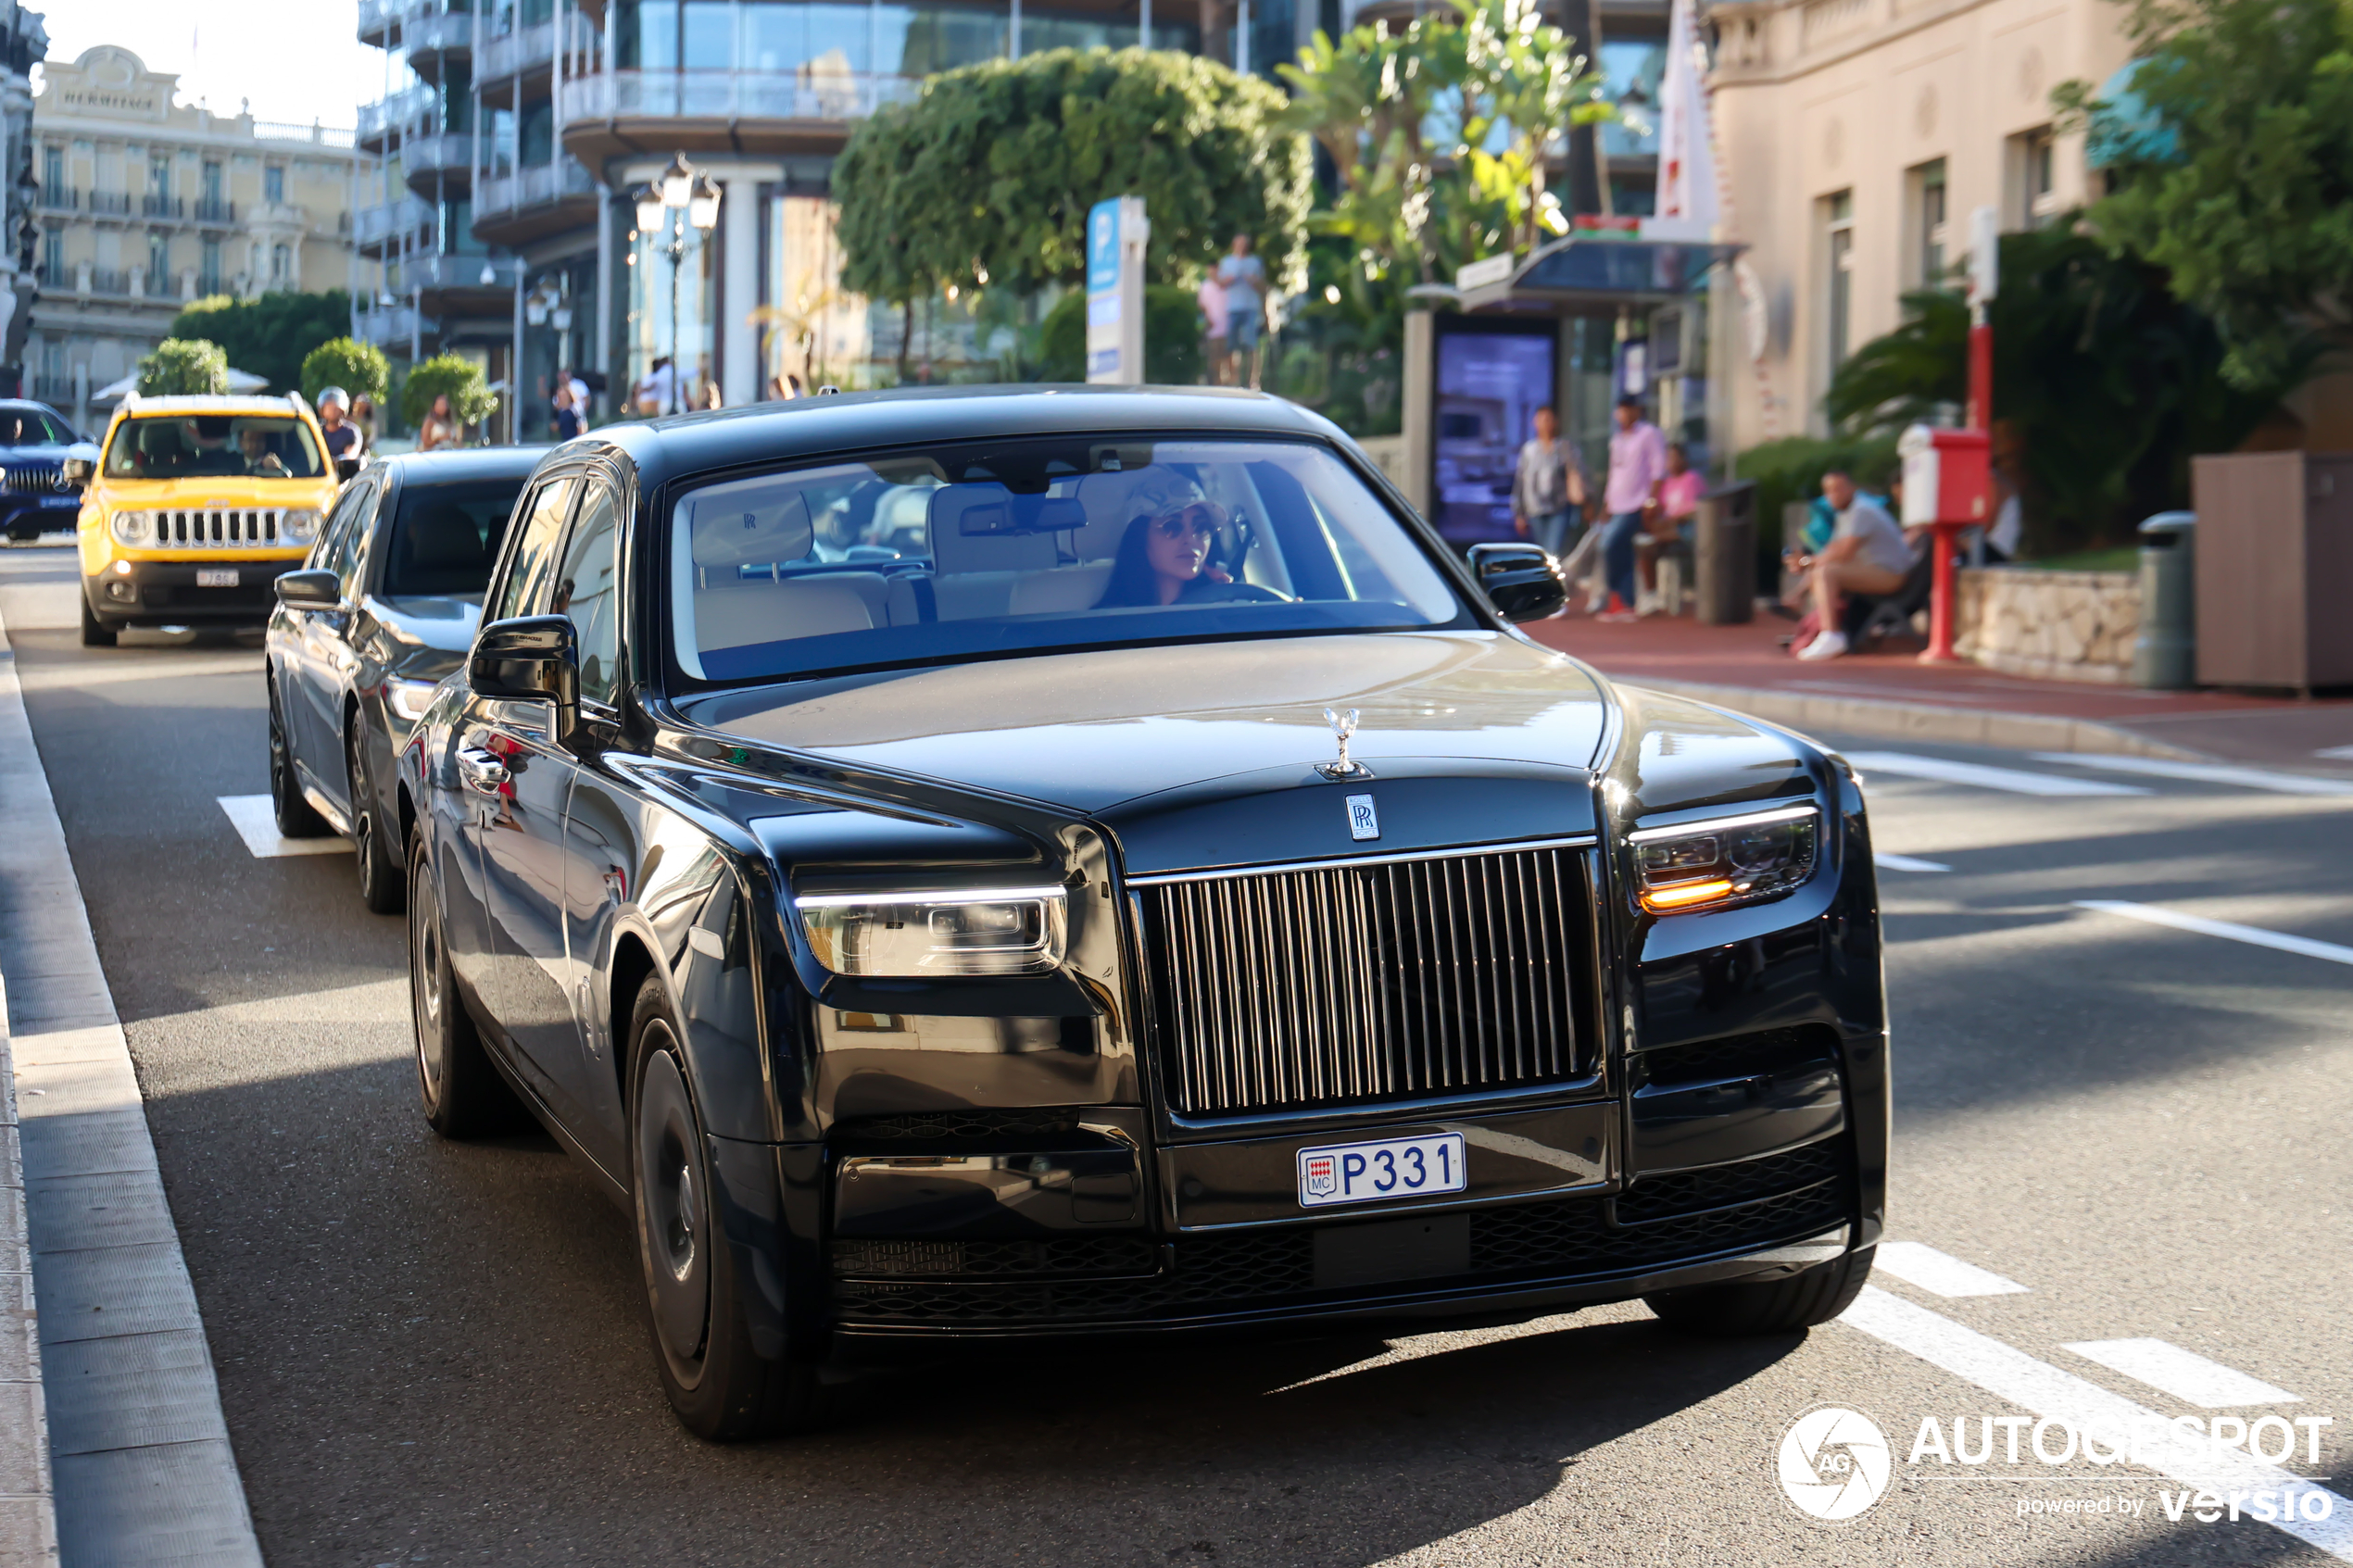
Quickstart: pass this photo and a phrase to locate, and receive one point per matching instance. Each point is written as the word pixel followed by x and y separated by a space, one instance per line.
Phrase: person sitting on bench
pixel 1868 553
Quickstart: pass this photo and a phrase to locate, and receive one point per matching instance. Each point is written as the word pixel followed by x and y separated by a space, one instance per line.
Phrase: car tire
pixel 721 1388
pixel 1782 1306
pixel 464 1097
pixel 296 816
pixel 382 880
pixel 97 634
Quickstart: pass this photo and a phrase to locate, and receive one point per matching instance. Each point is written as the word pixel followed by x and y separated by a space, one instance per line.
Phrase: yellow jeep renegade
pixel 196 506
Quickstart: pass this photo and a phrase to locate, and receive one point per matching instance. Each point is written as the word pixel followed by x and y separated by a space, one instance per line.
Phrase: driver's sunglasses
pixel 1199 519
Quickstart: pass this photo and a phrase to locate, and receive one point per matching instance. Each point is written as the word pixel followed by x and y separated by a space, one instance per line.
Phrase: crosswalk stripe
pixel 257 823
pixel 2186 1375
pixel 1905 863
pixel 2252 934
pixel 1916 1263
pixel 2011 1375
pixel 2016 780
pixel 2203 772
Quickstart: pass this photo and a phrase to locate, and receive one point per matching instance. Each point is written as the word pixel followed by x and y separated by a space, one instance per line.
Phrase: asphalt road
pixel 434 1353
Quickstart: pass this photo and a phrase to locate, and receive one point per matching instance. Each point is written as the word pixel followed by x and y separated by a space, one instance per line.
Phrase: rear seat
pixel 1061 591
pixel 739 614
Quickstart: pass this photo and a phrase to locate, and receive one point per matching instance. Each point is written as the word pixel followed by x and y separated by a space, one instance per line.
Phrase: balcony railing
pixel 458 271
pixel 108 281
pixel 60 199
pixel 446 152
pixel 528 50
pixel 56 391
pixel 211 284
pixel 50 276
pixel 430 31
pixel 384 224
pixel 213 210
pixel 733 94
pixel 110 203
pixel 168 209
pixel 315 133
pixel 531 187
pixel 404 112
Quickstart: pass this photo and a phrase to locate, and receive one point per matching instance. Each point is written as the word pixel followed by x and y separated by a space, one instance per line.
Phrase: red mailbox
pixel 1948 476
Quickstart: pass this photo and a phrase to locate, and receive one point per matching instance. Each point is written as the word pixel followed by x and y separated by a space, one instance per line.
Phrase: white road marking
pixel 2186 1375
pixel 2336 753
pixel 2203 772
pixel 1916 1263
pixel 2254 936
pixel 1886 861
pixel 2015 780
pixel 257 823
pixel 2010 1373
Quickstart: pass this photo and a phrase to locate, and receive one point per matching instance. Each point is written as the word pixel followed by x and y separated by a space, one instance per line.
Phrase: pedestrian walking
pixel 1216 322
pixel 1244 277
pixel 1548 487
pixel 568 420
pixel 343 437
pixel 658 388
pixel 441 430
pixel 363 415
pixel 1637 464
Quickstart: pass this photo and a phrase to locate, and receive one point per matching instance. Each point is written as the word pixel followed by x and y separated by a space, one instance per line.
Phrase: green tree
pixel 268 337
pixel 985 180
pixel 2107 382
pixel 2241 186
pixel 469 396
pixel 1437 133
pixel 360 368
pixel 1172 338
pixel 185 368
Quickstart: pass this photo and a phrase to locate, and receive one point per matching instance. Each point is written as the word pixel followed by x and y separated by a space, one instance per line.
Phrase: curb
pixel 28 1510
pixel 138 1459
pixel 1920 721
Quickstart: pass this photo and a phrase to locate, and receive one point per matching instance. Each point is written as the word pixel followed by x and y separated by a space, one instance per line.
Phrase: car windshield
pixel 210 445
pixel 31 426
pixel 987 550
pixel 444 537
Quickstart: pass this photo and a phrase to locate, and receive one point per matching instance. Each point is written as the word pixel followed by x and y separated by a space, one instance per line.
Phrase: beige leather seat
pixel 764 522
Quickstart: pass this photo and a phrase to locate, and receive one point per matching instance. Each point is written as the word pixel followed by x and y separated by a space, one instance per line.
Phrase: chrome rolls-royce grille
pixel 246 527
pixel 1330 985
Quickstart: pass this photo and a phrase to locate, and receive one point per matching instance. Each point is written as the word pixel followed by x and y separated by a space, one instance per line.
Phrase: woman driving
pixel 1165 556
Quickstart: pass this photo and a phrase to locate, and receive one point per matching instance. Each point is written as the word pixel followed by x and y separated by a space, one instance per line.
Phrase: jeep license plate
pixel 1364 1173
pixel 216 577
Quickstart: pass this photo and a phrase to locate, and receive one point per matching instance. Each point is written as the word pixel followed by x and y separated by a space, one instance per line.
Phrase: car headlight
pixel 1711 865
pixel 408 699
pixel 134 528
pixel 992 931
pixel 299 526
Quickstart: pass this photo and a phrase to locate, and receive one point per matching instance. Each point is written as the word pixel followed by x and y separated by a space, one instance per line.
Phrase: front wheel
pixel 464 1097
pixel 719 1385
pixel 97 634
pixel 382 884
pixel 1780 1306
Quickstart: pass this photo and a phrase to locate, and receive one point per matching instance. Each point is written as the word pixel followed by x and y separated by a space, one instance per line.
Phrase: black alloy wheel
pixel 721 1388
pixel 464 1097
pixel 1782 1306
pixel 382 882
pixel 296 816
pixel 97 634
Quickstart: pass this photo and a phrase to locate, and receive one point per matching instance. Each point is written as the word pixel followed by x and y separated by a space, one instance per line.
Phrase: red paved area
pixel 2238 725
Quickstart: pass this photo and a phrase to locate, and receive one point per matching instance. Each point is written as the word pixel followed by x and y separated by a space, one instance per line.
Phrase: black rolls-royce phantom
pixel 1070 862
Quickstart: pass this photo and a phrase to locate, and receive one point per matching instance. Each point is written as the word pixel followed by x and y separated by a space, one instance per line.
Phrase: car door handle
pixel 482 770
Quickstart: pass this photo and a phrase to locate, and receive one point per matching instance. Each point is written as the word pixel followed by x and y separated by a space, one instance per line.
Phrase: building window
pixel 159 262
pixel 159 175
pixel 273 185
pixel 52 171
pixel 208 280
pixel 212 185
pixel 651 298
pixel 1838 287
pixel 1924 200
pixel 53 258
pixel 282 263
pixel 2032 177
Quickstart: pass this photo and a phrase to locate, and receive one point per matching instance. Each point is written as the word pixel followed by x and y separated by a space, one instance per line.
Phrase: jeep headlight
pixel 1710 865
pixel 943 935
pixel 299 526
pixel 134 528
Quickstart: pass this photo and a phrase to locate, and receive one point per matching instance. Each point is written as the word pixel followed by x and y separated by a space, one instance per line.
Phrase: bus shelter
pixel 1578 324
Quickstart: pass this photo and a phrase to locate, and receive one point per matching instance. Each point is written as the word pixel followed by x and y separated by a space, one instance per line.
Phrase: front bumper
pixel 35 513
pixel 166 593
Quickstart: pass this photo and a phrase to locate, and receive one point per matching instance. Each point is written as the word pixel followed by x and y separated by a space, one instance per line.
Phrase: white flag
pixel 1687 196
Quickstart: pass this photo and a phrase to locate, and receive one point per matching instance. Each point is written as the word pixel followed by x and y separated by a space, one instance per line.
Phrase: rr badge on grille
pixel 1363 820
pixel 1319 1176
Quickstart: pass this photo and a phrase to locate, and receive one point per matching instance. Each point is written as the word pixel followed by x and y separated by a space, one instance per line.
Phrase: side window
pixel 352 554
pixel 589 590
pixel 334 540
pixel 525 589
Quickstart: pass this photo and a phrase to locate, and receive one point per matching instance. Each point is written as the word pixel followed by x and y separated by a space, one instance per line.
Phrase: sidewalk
pixel 1894 695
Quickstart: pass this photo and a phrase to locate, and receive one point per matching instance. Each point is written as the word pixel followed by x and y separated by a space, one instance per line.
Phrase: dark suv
pixel 35 496
pixel 383 610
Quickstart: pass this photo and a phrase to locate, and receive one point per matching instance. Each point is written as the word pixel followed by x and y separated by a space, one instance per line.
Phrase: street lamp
pixel 680 197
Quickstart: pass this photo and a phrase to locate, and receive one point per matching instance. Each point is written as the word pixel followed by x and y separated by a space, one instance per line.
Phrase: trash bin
pixel 1725 554
pixel 2165 654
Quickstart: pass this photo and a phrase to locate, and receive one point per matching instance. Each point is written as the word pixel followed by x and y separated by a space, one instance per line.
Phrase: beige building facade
pixel 1855 138
pixel 146 203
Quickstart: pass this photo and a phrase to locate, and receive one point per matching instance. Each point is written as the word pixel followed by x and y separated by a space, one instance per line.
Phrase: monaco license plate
pixel 1363 1173
pixel 216 577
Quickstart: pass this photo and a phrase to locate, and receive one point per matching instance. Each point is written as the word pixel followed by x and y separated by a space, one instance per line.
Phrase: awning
pixel 1586 271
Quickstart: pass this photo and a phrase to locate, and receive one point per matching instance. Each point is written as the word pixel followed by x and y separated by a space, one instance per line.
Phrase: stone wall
pixel 2054 625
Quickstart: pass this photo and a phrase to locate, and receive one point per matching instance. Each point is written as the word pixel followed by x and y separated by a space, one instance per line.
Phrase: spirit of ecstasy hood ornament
pixel 1343 723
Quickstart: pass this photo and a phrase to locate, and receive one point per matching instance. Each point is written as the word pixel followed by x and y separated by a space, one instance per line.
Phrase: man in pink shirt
pixel 1214 316
pixel 1637 464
